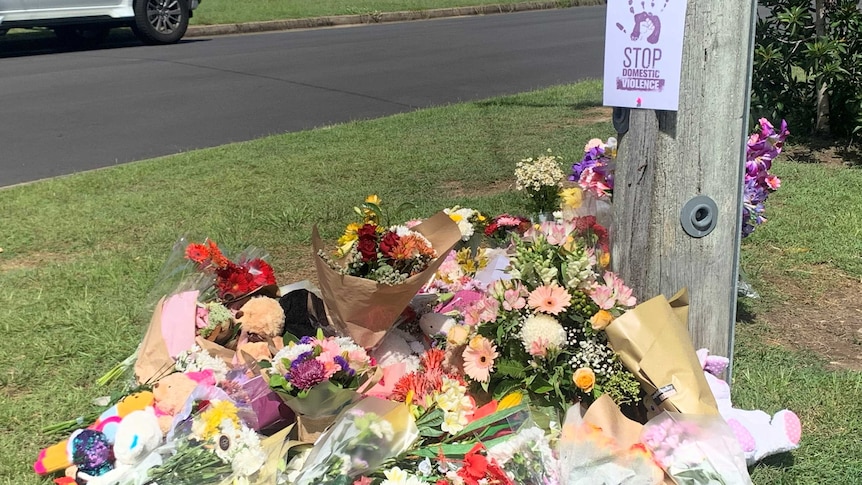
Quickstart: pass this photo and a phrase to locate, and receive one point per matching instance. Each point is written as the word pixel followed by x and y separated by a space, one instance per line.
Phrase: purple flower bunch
pixel 763 147
pixel 310 361
pixel 594 172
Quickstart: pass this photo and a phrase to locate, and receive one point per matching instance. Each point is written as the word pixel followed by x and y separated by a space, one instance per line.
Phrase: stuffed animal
pixel 60 455
pixel 171 393
pixel 759 434
pixel 138 435
pixel 260 318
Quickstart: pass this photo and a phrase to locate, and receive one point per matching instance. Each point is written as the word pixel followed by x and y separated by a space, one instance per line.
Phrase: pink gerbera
pixel 551 299
pixel 479 358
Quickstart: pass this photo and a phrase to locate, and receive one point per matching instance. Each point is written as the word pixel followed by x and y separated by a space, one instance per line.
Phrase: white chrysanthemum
pixel 291 352
pixel 196 359
pixel 347 344
pixel 247 461
pixel 543 328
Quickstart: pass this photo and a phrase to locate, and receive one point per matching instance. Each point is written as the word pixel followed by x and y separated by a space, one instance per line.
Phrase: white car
pixel 88 21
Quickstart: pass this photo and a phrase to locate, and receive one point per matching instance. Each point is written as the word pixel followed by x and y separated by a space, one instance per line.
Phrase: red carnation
pixel 491 228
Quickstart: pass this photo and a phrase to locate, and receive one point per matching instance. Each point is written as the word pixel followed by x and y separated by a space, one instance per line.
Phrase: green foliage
pixel 790 59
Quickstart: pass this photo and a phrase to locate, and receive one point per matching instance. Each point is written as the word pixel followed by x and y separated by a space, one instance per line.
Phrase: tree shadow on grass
pixel 744 311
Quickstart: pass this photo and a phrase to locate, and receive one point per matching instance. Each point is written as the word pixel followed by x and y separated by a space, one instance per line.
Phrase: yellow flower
pixel 345 242
pixel 601 320
pixel 511 400
pixel 457 335
pixel 585 379
pixel 213 416
pixel 372 199
pixel 605 259
pixel 572 197
pixel 455 217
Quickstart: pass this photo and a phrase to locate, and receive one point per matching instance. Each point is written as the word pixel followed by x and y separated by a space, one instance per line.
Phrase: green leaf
pixel 491 419
pixel 510 368
pixel 289 338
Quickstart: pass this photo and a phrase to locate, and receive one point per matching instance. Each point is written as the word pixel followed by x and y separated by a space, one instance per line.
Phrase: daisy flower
pixel 479 358
pixel 551 299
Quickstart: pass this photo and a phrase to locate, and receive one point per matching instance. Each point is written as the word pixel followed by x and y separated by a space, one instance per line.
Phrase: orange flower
pixel 585 379
pixel 197 253
pixel 218 259
pixel 601 320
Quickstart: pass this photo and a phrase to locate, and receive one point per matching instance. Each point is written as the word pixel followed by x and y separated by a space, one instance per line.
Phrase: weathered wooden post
pixel 667 158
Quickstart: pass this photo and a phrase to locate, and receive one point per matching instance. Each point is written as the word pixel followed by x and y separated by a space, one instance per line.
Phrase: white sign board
pixel 643 53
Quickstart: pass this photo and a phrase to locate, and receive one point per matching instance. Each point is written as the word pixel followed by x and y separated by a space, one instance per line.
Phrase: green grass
pixel 81 253
pixel 212 12
pixel 227 11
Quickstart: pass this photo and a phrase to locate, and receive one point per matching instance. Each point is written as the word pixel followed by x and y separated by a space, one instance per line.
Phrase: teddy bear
pixel 261 321
pixel 759 435
pixel 171 393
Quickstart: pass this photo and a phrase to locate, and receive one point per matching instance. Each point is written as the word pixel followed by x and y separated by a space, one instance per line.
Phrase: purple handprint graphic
pixel 645 21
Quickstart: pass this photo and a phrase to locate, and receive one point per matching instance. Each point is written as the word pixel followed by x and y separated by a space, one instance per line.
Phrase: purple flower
pixel 305 374
pixel 761 150
pixel 306 340
pixel 345 366
pixel 591 158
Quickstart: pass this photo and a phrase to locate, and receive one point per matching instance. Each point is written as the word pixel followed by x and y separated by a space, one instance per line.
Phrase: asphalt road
pixel 66 112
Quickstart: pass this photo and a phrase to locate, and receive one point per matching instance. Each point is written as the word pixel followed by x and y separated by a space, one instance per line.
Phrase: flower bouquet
pixel 472 225
pixel 541 179
pixel 527 457
pixel 696 449
pixel 317 377
pixel 381 269
pixel 208 289
pixel 603 446
pixel 363 437
pixel 762 148
pixel 502 227
pixel 652 340
pixel 543 329
pixel 212 444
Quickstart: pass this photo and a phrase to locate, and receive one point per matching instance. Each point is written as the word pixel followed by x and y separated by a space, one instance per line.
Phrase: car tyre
pixel 78 37
pixel 161 21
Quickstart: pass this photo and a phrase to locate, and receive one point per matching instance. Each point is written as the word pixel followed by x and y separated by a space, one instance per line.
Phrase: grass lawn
pixel 81 253
pixel 227 11
pixel 211 12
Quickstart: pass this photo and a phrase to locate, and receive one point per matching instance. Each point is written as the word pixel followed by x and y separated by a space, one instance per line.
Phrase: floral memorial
pixel 458 349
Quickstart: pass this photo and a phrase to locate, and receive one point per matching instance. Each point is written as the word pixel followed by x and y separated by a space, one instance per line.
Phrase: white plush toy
pixel 138 435
pixel 759 434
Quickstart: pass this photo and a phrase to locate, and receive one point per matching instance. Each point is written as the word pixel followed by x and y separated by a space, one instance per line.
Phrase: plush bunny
pixel 759 434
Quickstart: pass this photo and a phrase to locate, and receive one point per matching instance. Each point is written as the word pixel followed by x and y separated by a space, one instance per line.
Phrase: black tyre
pixel 161 21
pixel 77 37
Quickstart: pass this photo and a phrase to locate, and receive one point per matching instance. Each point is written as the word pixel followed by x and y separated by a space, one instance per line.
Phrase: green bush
pixel 790 59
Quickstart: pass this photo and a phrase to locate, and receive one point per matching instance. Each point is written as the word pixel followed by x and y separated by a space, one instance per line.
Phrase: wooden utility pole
pixel 667 158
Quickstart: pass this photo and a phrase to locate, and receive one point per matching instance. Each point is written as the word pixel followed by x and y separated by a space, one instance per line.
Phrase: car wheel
pixel 161 21
pixel 81 36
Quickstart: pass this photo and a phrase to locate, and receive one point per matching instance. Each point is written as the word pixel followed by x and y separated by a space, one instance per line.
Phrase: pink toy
pixel 758 434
